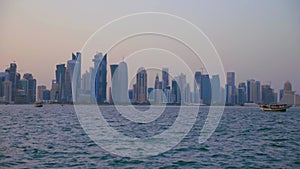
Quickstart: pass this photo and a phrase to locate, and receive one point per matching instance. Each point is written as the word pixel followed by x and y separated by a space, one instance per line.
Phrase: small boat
pixel 38 104
pixel 274 107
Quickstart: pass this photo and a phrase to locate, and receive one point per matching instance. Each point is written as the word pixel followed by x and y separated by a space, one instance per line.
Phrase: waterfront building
pixel 54 91
pixel 40 89
pixel 31 93
pixel 120 83
pixel 7 91
pixel 206 89
pixel 216 89
pixel 250 90
pixel 141 84
pixel 289 96
pixel 61 81
pixel 197 87
pixel 13 77
pixel 230 88
pixel 3 77
pixel 267 94
pixel 100 74
pixel 165 78
pixel 241 95
pixel 46 96
pixel 176 94
pixel 181 84
pixel 22 92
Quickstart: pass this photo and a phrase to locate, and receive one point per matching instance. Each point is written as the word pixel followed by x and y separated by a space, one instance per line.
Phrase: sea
pixel 53 137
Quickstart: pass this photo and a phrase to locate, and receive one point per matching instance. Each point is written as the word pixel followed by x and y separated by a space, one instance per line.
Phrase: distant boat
pixel 274 107
pixel 38 104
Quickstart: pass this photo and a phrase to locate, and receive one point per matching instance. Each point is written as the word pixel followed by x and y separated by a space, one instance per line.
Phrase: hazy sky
pixel 256 39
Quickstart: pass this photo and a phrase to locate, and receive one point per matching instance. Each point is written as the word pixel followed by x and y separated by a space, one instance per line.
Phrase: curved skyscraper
pixel 123 83
pixel 120 83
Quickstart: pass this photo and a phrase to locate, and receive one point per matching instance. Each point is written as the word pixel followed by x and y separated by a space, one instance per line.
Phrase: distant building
pixel 114 85
pixel 230 88
pixel 197 87
pixel 3 77
pixel 31 93
pixel 54 91
pixel 41 89
pixel 7 91
pixel 257 97
pixel 188 98
pixel 267 94
pixel 241 96
pixel 165 78
pixel 120 83
pixel 181 84
pixel 22 92
pixel 141 84
pixel 250 90
pixel 73 77
pixel 86 82
pixel 13 77
pixel 46 95
pixel 100 74
pixel 60 80
pixel 289 96
pixel 216 89
pixel 206 89
pixel 176 94
pixel 158 94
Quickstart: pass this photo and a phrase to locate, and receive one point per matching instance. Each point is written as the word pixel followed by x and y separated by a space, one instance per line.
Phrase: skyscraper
pixel 100 67
pixel 3 77
pixel 181 82
pixel 22 92
pixel 253 91
pixel 216 89
pixel 267 94
pixel 31 94
pixel 41 89
pixel 206 89
pixel 114 84
pixel 165 78
pixel 289 96
pixel 7 91
pixel 241 93
pixel 120 84
pixel 230 88
pixel 60 80
pixel 14 79
pixel 54 91
pixel 197 87
pixel 158 95
pixel 257 97
pixel 73 80
pixel 176 94
pixel 141 83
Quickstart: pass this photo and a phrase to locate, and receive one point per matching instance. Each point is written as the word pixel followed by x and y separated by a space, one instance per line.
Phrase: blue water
pixel 52 137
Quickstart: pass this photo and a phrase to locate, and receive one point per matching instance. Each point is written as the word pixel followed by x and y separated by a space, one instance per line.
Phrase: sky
pixel 256 39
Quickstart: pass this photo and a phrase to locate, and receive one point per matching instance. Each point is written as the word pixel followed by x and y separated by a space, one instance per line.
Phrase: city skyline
pixel 70 86
pixel 263 45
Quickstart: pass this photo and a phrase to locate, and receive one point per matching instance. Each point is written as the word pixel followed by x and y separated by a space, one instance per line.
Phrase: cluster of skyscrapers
pixel 70 87
pixel 252 91
pixel 14 89
pixel 66 86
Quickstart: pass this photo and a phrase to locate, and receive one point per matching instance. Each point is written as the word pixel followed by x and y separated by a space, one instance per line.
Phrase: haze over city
pixel 257 40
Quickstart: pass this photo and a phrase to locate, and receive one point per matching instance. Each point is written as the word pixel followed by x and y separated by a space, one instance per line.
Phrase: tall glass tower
pixel 141 82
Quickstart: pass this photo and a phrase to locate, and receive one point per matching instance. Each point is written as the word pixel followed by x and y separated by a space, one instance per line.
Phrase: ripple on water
pixel 51 137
